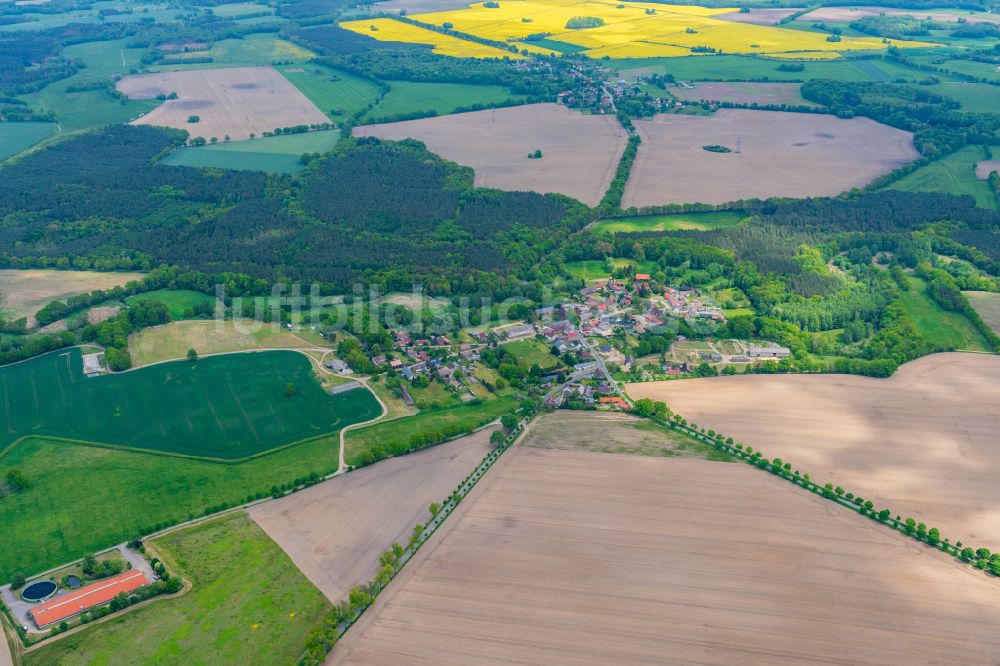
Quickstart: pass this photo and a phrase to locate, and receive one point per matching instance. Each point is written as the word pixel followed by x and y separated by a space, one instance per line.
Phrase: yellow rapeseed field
pixel 390 30
pixel 639 29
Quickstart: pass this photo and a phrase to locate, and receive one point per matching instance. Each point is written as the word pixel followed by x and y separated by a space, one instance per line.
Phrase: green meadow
pixel 273 154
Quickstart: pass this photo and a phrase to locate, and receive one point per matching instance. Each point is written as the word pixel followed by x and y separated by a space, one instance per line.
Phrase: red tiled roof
pixel 103 591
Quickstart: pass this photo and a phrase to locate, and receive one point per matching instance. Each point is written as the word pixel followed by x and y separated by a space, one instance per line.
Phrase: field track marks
pixel 218 421
pixel 6 404
pixel 246 417
pixel 34 394
pixel 274 415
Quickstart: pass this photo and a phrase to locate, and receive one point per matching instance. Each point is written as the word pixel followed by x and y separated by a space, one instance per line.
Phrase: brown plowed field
pixel 236 101
pixel 335 531
pixel 567 557
pixel 923 443
pixel 775 154
pixel 579 152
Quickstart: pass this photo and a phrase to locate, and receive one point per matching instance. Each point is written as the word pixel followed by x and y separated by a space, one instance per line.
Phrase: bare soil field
pixel 571 557
pixel 612 432
pixel 987 304
pixel 236 101
pixel 24 292
pixel 579 152
pixel 743 93
pixel 335 531
pixel 984 168
pixel 173 340
pixel 844 14
pixel 774 154
pixel 759 16
pixel 922 443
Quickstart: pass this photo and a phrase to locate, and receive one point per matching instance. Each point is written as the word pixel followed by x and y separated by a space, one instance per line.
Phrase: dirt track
pixel 923 443
pixel 335 531
pixel 234 101
pixel 565 557
pixel 579 152
pixel 774 154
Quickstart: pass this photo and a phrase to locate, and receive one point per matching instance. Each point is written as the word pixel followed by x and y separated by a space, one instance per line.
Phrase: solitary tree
pixel 290 389
pixel 192 355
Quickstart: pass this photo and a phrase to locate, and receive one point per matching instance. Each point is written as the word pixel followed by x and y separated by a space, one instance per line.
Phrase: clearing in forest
pixel 921 443
pixel 771 154
pixel 234 101
pixel 335 531
pixel 987 304
pixel 25 292
pixel 579 152
pixel 579 557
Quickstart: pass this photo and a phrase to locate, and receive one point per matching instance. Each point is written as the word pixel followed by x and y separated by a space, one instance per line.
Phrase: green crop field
pixel 442 98
pixel 734 68
pixel 692 221
pixel 953 174
pixel 253 50
pixel 388 435
pixel 239 9
pixel 176 300
pixel 92 108
pixel 974 97
pixel 15 137
pixel 983 70
pixel 273 154
pixel 247 600
pixel 987 304
pixel 941 328
pixel 223 407
pixel 337 94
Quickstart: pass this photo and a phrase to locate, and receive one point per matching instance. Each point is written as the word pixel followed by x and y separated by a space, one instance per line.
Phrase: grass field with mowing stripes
pixel 223 407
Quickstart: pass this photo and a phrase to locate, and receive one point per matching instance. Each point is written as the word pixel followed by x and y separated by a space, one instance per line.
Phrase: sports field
pixel 921 443
pixel 952 174
pixel 247 599
pixel 273 154
pixel 222 407
pixel 15 137
pixel 441 98
pixel 679 221
pixel 573 557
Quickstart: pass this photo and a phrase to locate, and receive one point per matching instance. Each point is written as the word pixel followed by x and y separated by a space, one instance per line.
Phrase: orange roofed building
pixel 95 594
